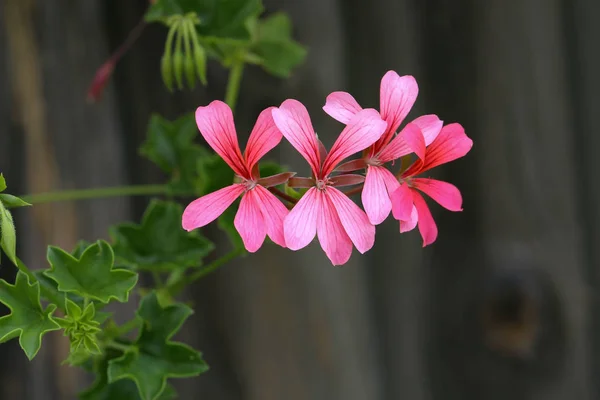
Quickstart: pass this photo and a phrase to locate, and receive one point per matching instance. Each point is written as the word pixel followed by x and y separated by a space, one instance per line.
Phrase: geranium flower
pixel 397 96
pixel 324 210
pixel 408 205
pixel 260 212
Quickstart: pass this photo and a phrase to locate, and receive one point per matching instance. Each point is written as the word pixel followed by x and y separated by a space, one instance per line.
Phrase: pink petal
pixel 409 225
pixel 409 140
pixel 264 137
pixel 355 221
pixel 293 121
pixel 391 182
pixel 375 197
pixel 332 236
pixel 397 96
pixel 207 208
pixel 215 123
pixel 402 202
pixel 341 106
pixel 249 222
pixel 300 225
pixel 444 193
pixel 362 131
pixel 430 126
pixel 274 213
pixel 451 143
pixel 427 225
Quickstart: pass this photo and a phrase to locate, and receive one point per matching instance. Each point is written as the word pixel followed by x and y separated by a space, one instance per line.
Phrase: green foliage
pixel 273 47
pixel 92 275
pixel 27 320
pixel 8 238
pixel 153 357
pixel 170 145
pixel 147 247
pixel 81 326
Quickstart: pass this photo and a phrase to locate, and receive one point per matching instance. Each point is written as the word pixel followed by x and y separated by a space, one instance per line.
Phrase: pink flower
pixel 408 205
pixel 260 212
pixel 324 210
pixel 397 96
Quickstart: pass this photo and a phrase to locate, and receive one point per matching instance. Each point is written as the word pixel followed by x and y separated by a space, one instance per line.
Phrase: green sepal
pixel 8 236
pixel 154 357
pixel 2 183
pixel 11 201
pixel 27 320
pixel 92 275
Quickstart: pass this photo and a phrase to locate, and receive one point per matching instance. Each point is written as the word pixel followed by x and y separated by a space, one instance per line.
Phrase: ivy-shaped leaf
pixel 169 144
pixel 154 357
pixel 28 320
pixel 159 243
pixel 92 275
pixel 277 51
pixel 123 389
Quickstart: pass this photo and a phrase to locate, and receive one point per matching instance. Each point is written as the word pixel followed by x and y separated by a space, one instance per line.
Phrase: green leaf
pixel 92 275
pixel 170 145
pixel 217 18
pixel 80 247
pixel 159 243
pixel 274 46
pixel 8 237
pixel 11 201
pixel 27 320
pixel 81 326
pixel 123 389
pixel 156 358
pixel 2 183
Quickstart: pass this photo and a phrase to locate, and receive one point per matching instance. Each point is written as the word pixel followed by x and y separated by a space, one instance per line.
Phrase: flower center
pixel 373 162
pixel 321 184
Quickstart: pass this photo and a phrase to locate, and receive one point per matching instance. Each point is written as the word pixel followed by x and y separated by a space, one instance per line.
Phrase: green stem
pixel 129 326
pixel 118 346
pixel 95 193
pixel 233 85
pixel 47 293
pixel 178 286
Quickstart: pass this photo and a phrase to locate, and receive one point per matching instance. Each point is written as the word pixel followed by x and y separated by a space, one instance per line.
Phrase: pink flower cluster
pixel 324 210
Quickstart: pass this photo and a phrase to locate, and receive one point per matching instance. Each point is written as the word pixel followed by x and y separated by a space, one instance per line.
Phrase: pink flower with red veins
pixel 408 205
pixel 260 212
pixel 397 96
pixel 324 210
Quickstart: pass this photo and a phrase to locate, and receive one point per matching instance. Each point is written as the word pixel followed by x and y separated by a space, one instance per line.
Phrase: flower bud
pixel 100 80
pixel 178 67
pixel 200 60
pixel 190 70
pixel 166 70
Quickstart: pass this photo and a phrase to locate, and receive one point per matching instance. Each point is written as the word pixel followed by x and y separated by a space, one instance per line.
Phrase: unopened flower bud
pixel 100 80
pixel 166 69
pixel 178 67
pixel 200 60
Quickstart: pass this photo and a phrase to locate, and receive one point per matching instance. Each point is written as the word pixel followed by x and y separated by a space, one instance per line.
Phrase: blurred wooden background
pixel 503 306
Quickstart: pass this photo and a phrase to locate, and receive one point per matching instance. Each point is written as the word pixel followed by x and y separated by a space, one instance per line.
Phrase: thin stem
pixel 233 85
pixel 130 40
pixel 118 346
pixel 129 326
pixel 51 295
pixel 178 286
pixel 283 195
pixel 95 193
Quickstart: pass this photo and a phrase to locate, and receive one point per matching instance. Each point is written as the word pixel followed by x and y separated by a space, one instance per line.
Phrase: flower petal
pixel 409 140
pixel 249 222
pixel 215 123
pixel 430 126
pixel 397 96
pixel 332 236
pixel 274 213
pixel 341 106
pixel 264 137
pixel 411 223
pixel 355 221
pixel 207 208
pixel 427 225
pixel 375 197
pixel 402 202
pixel 362 131
pixel 293 121
pixel 451 143
pixel 300 225
pixel 444 193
